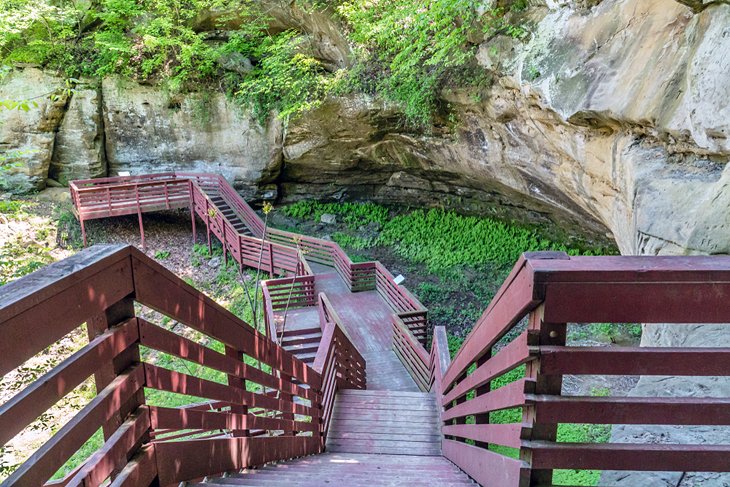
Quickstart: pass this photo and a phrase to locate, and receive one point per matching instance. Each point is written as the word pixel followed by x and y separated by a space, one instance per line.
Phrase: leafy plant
pixel 162 254
pixel 417 43
pixel 354 214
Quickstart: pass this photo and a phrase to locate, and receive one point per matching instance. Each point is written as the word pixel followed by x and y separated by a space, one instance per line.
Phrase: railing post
pixel 116 314
pixel 549 334
pixel 207 224
pixel 139 215
pixel 483 418
pixel 287 397
pixel 235 381
pixel 192 208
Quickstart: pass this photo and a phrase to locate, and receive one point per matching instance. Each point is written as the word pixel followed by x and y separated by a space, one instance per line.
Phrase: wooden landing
pixel 386 422
pixel 352 470
pixel 366 319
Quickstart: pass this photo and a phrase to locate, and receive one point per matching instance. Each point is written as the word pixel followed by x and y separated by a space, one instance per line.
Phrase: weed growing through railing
pixel 268 207
pixel 297 241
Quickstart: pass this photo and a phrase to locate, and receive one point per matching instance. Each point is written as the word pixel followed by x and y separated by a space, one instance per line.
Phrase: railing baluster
pixel 235 381
pixel 115 315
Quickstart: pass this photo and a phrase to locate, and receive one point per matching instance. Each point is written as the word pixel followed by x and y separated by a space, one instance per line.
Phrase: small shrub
pixel 162 254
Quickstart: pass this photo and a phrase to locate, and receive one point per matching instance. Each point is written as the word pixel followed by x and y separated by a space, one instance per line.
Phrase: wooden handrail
pixel 338 361
pixel 100 285
pixel 283 252
pixel 551 290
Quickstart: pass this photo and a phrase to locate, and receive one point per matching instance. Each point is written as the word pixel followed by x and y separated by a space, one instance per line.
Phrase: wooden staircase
pixel 391 422
pixel 302 343
pixel 230 213
pixel 376 438
pixel 351 470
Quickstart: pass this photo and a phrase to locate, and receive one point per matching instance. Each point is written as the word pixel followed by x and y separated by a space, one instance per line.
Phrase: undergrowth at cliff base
pixel 453 263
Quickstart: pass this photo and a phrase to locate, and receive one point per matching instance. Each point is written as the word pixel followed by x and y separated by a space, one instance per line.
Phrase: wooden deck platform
pixel 351 469
pixel 366 318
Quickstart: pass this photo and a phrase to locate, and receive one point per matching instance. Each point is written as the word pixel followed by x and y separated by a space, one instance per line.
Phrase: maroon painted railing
pixel 339 362
pixel 408 308
pixel 280 253
pixel 264 405
pixel 550 290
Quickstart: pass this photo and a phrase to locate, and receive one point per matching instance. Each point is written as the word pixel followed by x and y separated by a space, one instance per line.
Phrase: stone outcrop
pixel 610 124
pixel 147 131
pixel 27 137
pixel 78 151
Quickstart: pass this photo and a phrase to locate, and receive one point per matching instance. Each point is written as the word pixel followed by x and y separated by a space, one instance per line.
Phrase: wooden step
pixel 351 469
pixel 302 348
pixel 301 338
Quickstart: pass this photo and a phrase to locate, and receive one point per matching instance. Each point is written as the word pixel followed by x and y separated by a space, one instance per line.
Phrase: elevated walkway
pixel 351 417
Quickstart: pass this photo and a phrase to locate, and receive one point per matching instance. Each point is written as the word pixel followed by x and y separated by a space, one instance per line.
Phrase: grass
pixel 28 250
pixel 12 207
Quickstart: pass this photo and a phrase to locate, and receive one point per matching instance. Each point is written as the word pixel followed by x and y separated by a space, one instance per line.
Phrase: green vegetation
pixel 455 240
pixel 465 256
pixel 162 254
pixel 407 51
pixel 415 46
pixel 354 214
pixel 25 251
pixel 442 240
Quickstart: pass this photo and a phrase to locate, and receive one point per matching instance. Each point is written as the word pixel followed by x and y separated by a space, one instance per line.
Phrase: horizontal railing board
pixel 178 419
pixel 166 341
pixel 51 456
pixel 218 455
pixel 486 467
pixel 501 434
pixel 194 309
pixel 508 396
pixel 179 383
pixel 626 456
pixel 514 299
pixel 113 454
pixel 105 278
pixel 631 410
pixel 141 469
pixel 23 408
pixel 634 361
pixel 512 355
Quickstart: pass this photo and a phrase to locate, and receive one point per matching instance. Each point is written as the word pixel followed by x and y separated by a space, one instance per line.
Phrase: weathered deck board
pixel 352 469
pixel 385 423
pixel 366 319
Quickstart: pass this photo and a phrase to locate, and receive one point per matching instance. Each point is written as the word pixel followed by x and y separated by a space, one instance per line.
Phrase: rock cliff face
pixel 612 123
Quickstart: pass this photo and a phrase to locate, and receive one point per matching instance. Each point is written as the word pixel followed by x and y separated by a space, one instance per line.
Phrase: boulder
pixel 27 137
pixel 148 131
pixel 79 147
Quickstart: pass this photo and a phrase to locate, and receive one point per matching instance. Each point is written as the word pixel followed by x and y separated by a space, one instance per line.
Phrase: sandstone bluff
pixel 612 123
